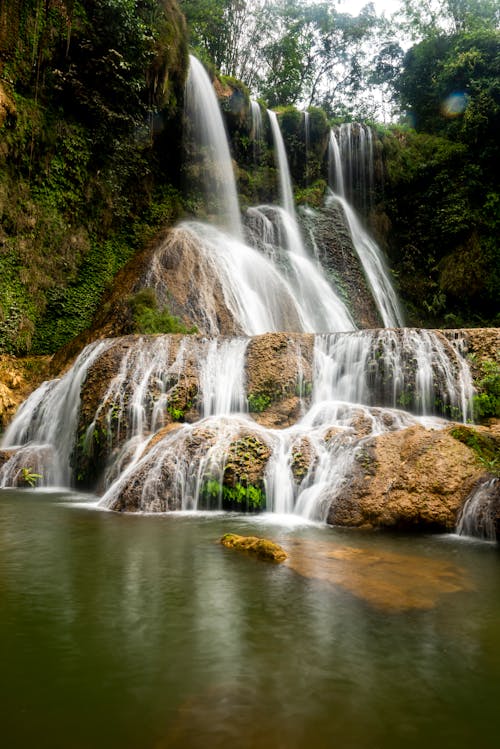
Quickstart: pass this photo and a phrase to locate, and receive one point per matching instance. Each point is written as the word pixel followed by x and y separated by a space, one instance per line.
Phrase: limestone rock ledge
pixel 414 479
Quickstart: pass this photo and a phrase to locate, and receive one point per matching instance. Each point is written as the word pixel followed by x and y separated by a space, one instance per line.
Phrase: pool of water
pixel 142 632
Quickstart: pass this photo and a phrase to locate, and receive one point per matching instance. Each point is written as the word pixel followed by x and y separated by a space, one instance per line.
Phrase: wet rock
pixel 384 579
pixel 303 458
pixel 279 377
pixel 328 228
pixel 260 547
pixel 415 478
pixel 214 464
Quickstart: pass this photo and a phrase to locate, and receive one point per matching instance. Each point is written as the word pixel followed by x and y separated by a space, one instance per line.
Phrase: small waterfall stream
pixel 368 251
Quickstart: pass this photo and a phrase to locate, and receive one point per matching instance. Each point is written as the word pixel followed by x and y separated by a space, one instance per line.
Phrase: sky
pixel 354 6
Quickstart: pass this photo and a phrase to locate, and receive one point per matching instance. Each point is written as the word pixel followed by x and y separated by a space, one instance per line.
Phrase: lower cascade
pixel 280 421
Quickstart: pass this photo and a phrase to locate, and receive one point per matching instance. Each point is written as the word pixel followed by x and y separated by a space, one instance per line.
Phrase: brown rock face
pixel 18 378
pixel 411 479
pixel 278 373
pixel 341 262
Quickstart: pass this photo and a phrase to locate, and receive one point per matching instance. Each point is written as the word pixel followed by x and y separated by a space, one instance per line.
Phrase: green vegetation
pixel 487 448
pixel 148 318
pixel 91 164
pixel 240 496
pixel 487 400
pixel 29 478
pixel 258 402
pixel 88 103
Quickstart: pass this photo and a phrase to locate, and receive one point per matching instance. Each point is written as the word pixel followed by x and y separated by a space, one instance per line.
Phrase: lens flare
pixel 455 104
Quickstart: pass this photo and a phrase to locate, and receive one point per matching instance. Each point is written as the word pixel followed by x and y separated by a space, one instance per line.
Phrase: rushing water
pixel 209 131
pixel 340 175
pixel 359 383
pixel 120 632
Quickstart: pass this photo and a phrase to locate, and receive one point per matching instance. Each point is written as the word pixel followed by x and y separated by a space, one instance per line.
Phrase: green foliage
pixel 258 402
pixel 29 477
pixel 149 319
pixel 239 496
pixel 314 195
pixel 487 401
pixel 487 448
pixel 83 173
pixel 441 207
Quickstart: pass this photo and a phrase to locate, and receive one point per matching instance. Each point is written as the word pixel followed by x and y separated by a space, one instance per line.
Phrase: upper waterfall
pixel 204 115
pixel 369 253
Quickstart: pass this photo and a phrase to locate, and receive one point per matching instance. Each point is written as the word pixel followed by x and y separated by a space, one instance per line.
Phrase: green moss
pixel 258 402
pixel 261 547
pixel 149 319
pixel 486 402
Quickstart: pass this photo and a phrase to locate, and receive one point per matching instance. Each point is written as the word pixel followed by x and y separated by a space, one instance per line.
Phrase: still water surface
pixel 141 632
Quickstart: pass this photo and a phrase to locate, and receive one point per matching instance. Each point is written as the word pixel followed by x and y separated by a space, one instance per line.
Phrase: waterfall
pixel 477 516
pixel 47 421
pixel 307 143
pixel 335 171
pixel 257 128
pixel 285 179
pixel 163 422
pixel 369 253
pixel 203 113
pixel 356 157
pixel 320 306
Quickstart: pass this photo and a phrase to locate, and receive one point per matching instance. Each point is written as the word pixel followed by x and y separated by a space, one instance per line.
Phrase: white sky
pixel 354 6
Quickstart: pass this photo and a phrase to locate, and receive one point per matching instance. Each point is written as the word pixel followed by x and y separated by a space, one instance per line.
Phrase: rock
pixel 415 478
pixel 260 547
pixel 341 262
pixel 18 378
pixel 215 464
pixel 278 373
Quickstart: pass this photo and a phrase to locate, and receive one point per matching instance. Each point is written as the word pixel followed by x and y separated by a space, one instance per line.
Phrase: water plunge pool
pixel 141 632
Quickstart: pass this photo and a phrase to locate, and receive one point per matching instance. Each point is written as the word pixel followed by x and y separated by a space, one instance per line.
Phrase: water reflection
pixel 144 633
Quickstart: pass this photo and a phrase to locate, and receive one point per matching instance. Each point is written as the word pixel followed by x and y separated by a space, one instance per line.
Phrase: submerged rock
pixel 260 547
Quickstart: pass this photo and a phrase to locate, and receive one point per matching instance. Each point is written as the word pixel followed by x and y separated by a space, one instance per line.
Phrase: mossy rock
pixel 260 547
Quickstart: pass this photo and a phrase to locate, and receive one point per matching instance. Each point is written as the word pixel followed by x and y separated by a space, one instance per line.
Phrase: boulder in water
pixel 412 479
pixel 260 547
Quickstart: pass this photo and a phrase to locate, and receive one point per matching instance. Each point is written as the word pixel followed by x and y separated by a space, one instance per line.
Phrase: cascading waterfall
pixel 161 423
pixel 285 179
pixel 45 425
pixel 357 163
pixel 202 109
pixel 307 142
pixel 369 253
pixel 257 128
pixel 361 384
pixel 476 519
pixel 261 291
pixel 335 171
